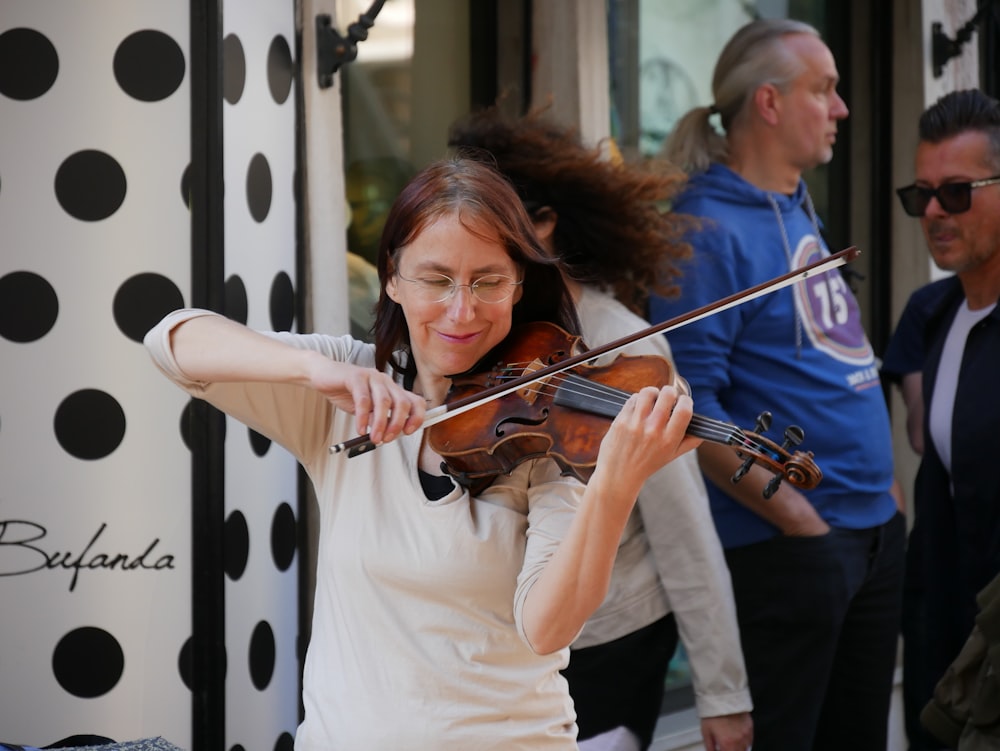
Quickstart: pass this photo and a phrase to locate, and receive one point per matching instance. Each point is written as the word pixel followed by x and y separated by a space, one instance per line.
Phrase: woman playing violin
pixel 441 619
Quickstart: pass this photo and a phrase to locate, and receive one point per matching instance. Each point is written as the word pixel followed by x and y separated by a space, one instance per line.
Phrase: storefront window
pixel 399 96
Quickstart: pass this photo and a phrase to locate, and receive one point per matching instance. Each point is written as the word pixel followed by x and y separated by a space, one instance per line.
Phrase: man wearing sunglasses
pixel 956 195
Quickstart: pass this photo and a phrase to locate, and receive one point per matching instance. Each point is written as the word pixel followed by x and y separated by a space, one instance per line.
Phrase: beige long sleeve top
pixel 417 639
pixel 670 558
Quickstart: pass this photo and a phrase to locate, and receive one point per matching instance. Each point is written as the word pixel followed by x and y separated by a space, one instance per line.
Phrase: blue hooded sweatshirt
pixel 800 353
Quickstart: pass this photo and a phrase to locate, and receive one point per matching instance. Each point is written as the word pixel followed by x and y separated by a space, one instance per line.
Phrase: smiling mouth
pixel 459 338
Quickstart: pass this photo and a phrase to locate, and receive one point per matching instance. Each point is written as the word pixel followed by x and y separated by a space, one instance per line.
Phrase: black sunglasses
pixel 953 197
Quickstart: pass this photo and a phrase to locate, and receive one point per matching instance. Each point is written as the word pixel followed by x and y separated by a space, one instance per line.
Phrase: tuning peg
pixel 762 424
pixel 793 436
pixel 772 486
pixel 743 469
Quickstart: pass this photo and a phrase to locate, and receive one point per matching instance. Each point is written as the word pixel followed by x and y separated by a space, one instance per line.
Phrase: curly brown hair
pixel 614 226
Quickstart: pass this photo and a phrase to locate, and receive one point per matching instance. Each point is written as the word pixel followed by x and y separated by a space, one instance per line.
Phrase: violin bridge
pixel 530 392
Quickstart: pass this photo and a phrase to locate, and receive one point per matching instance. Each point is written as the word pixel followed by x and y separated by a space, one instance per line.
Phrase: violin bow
pixel 361 444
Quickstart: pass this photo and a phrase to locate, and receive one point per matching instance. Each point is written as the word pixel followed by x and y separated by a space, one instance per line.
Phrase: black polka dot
pixel 237 747
pixel 259 187
pixel 28 64
pixel 234 69
pixel 237 545
pixel 282 302
pixel 259 444
pixel 279 69
pixel 285 742
pixel 149 65
pixel 143 300
pixel 89 424
pixel 187 418
pixel 28 306
pixel 187 424
pixel 90 185
pixel 185 663
pixel 261 655
pixel 236 307
pixel 88 662
pixel 283 536
pixel 186 187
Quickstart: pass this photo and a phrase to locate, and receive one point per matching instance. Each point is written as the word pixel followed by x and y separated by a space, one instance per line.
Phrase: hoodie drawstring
pixel 788 257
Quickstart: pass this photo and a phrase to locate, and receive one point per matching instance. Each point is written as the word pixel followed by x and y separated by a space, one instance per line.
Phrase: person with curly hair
pixel 609 224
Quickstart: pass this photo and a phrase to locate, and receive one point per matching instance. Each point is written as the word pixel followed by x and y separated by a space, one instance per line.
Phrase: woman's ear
pixel 545 224
pixel 518 293
pixel 391 289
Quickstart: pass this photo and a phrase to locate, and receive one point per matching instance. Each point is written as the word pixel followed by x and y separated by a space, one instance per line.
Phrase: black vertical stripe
pixel 207 429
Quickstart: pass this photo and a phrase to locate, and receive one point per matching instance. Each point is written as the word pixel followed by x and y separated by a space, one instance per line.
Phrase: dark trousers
pixel 819 623
pixel 620 683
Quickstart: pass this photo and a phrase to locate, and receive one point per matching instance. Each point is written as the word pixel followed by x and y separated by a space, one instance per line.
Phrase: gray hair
pixel 755 55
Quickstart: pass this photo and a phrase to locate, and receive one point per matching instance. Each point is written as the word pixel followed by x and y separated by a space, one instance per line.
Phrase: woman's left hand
pixel 649 432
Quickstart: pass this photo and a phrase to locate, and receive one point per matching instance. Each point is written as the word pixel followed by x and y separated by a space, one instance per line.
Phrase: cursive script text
pixel 21 553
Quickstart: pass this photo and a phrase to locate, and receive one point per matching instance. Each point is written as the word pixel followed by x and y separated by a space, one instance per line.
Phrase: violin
pixel 479 461
pixel 565 416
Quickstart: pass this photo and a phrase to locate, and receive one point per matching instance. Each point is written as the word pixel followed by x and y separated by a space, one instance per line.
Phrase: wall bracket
pixel 334 50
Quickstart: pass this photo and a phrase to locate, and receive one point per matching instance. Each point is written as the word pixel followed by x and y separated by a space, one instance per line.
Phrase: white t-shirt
pixel 946 384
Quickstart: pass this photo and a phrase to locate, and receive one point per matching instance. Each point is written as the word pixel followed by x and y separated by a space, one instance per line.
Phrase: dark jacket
pixel 957 519
pixel 965 710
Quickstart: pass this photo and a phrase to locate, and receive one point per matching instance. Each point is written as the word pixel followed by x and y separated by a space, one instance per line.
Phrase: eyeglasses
pixel 492 288
pixel 953 197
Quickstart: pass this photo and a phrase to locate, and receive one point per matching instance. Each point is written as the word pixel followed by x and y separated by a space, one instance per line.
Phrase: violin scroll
pixel 798 468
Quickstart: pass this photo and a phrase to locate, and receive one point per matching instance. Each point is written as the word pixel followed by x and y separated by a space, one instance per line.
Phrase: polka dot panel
pixel 95 461
pixel 261 478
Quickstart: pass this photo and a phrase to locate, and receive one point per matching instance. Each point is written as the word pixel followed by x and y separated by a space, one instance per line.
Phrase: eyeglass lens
pixel 489 289
pixel 953 197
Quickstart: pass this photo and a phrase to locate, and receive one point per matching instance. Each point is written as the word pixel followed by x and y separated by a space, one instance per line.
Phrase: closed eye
pixel 437 282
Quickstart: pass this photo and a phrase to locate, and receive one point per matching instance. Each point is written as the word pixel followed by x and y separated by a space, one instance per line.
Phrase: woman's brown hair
pixel 487 206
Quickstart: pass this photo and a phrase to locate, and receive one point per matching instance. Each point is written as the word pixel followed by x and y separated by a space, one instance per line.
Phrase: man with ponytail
pixel 816 575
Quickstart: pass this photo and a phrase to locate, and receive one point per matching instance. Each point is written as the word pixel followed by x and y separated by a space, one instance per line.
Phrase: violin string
pixel 708 428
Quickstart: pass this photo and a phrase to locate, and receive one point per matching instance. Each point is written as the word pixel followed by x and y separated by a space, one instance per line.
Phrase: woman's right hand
pixel 213 349
pixel 381 407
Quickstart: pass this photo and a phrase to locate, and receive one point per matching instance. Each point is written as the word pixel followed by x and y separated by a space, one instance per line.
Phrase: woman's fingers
pixel 384 410
pixel 654 424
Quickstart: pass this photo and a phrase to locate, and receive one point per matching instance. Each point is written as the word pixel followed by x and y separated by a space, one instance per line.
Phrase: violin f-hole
pixel 499 428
